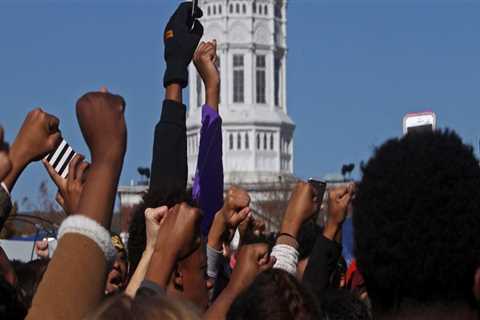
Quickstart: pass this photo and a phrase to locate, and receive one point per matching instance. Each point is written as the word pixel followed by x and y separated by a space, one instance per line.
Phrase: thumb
pixel 57 179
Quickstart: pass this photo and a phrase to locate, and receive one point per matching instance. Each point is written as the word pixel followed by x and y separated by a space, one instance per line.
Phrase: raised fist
pixel 204 59
pixel 101 119
pixel 38 136
pixel 179 230
pixel 154 218
pixel 235 201
pixel 180 41
pixel 301 207
pixel 338 201
pixel 252 259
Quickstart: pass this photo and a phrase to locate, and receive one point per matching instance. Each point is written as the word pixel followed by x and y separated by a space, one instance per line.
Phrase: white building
pixel 252 49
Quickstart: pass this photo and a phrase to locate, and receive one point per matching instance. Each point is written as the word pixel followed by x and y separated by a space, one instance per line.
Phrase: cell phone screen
pixel 424 128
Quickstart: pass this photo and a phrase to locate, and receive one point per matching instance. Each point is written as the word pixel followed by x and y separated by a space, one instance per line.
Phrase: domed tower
pixel 252 49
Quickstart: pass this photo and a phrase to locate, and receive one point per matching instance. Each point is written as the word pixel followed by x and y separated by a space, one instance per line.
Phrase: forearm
pixel 98 195
pixel 160 268
pixel 19 163
pixel 74 284
pixel 219 309
pixel 331 231
pixel 321 264
pixel 174 92
pixel 216 231
pixel 139 274
pixel 212 96
pixel 208 183
pixel 169 159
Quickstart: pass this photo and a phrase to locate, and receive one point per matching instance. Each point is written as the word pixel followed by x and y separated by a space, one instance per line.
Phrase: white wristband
pixel 89 228
pixel 286 258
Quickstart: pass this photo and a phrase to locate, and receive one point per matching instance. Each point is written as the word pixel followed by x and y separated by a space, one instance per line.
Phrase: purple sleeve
pixel 208 183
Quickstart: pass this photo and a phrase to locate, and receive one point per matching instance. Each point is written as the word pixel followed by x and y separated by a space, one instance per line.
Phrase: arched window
pixel 214 10
pixel 237 8
pixel 247 142
pixel 254 7
pixel 230 142
pixel 220 9
pixel 266 10
pixel 260 9
pixel 231 8
pixel 208 11
pixel 244 8
pixel 239 141
pixel 271 141
pixel 258 141
pixel 264 141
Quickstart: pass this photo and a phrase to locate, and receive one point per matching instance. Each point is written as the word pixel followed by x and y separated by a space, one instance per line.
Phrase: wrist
pixel 149 250
pixel 330 230
pixel 216 231
pixel 174 92
pixel 18 156
pixel 290 228
pixel 19 163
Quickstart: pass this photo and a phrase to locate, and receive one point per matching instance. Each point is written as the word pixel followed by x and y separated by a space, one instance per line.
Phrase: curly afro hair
pixel 275 294
pixel 416 222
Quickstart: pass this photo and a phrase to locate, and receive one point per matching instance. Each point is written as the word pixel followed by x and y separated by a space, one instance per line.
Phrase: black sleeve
pixel 169 169
pixel 321 264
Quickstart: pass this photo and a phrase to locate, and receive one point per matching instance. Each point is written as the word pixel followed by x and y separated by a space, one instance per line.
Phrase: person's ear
pixel 476 285
pixel 178 278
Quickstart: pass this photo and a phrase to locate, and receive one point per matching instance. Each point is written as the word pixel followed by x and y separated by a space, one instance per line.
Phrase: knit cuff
pixel 213 261
pixel 286 258
pixel 89 228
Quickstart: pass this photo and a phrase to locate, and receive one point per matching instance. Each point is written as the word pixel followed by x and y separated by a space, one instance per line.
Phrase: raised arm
pixel 73 284
pixel 326 251
pixel 169 159
pixel 208 184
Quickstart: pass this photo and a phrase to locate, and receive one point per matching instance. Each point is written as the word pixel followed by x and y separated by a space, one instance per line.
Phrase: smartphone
pixel 319 186
pixel 419 122
pixel 61 158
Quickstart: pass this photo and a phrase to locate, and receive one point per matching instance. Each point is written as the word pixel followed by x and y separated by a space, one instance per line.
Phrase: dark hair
pixel 416 221
pixel 137 238
pixel 275 294
pixel 29 274
pixel 340 304
pixel 11 305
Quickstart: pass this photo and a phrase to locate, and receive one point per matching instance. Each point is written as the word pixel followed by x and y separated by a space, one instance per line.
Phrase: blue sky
pixel 354 69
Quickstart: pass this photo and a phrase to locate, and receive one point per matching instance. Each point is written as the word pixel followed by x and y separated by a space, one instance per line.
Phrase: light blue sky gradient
pixel 354 69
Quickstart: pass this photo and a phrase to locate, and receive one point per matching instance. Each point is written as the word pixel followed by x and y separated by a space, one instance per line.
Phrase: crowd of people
pixel 201 253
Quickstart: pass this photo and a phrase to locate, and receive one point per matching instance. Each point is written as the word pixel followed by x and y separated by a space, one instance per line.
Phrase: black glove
pixel 180 43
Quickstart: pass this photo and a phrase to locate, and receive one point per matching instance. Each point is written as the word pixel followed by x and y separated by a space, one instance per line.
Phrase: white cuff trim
pixel 287 258
pixel 91 229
